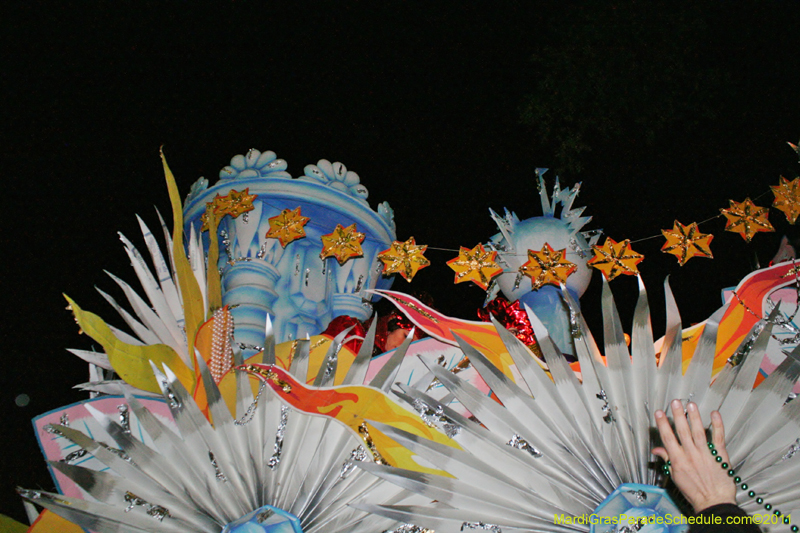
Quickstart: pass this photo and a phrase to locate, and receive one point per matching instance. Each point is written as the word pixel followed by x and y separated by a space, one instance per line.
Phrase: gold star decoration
pixel 234 204
pixel 787 198
pixel 746 219
pixel 287 227
pixel 615 258
pixel 214 206
pixel 404 258
pixel 342 243
pixel 476 265
pixel 685 242
pixel 238 202
pixel 547 266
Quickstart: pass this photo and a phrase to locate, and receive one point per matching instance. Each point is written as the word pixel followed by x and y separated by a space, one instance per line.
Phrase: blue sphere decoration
pixel 560 226
pixel 645 508
pixel 546 302
pixel 267 519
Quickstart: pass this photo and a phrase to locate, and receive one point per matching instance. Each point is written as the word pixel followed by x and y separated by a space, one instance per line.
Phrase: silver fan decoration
pixel 213 475
pixel 556 449
pixel 210 476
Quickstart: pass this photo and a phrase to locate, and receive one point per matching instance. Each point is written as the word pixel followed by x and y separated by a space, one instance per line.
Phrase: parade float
pixel 245 396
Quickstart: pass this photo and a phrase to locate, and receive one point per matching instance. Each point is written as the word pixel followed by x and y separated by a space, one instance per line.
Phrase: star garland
pixel 476 265
pixel 404 258
pixel 787 198
pixel 234 204
pixel 746 219
pixel 685 242
pixel 287 227
pixel 615 258
pixel 547 266
pixel 238 202
pixel 342 243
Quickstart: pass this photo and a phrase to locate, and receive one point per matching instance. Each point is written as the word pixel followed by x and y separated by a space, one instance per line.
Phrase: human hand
pixel 694 469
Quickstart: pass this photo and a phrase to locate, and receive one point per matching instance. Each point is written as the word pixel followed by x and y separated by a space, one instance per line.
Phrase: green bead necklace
pixel 738 481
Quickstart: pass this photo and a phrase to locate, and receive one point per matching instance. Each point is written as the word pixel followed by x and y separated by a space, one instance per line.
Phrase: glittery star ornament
pixel 238 202
pixel 615 258
pixel 787 198
pixel 685 242
pixel 476 265
pixel 342 243
pixel 547 266
pixel 288 226
pixel 746 219
pixel 404 258
pixel 234 204
pixel 215 206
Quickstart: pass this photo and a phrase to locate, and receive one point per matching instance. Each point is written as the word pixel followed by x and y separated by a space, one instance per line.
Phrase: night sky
pixel 424 103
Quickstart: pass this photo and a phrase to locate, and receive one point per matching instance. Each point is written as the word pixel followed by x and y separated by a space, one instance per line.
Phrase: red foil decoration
pixel 341 323
pixel 511 316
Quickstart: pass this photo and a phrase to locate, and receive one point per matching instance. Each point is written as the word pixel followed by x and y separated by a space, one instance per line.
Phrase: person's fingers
pixel 681 424
pixel 660 452
pixel 718 434
pixel 696 425
pixel 671 444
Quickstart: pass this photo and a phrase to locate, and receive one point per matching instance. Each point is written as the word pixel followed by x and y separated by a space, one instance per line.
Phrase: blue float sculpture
pixel 561 229
pixel 300 291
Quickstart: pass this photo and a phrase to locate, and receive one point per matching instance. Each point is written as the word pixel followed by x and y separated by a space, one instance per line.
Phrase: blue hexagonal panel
pixel 267 519
pixel 636 508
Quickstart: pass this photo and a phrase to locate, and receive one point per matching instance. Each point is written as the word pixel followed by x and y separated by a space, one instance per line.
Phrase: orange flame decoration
pixel 748 307
pixel 481 335
pixel 353 405
pixel 740 317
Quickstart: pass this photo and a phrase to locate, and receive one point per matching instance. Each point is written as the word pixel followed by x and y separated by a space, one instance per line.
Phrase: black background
pixel 422 102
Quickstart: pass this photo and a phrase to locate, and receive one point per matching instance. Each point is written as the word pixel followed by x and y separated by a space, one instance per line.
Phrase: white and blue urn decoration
pixel 301 292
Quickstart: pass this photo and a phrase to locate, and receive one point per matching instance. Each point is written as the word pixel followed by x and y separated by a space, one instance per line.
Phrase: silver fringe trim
pixel 358 454
pixel 409 528
pixel 436 417
pixel 124 418
pixel 521 444
pixel 156 511
pixel 275 460
pixel 217 471
pixel 480 525
pixel 794 449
